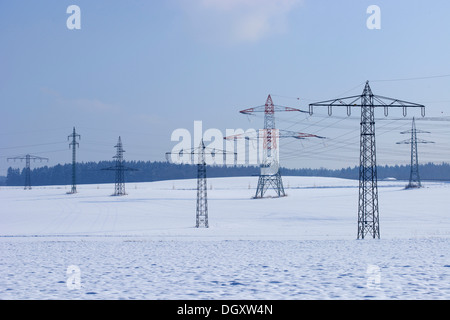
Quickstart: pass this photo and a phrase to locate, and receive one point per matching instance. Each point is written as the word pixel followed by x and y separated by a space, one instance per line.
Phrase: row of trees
pixel 91 172
pixel 429 171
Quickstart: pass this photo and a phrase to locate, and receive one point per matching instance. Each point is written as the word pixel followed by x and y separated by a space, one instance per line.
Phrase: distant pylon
pixel 28 159
pixel 119 168
pixel 201 216
pixel 73 145
pixel 414 176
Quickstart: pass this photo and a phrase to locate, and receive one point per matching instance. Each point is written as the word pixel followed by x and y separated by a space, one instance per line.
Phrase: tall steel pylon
pixel 73 144
pixel 119 168
pixel 270 175
pixel 28 159
pixel 414 177
pixel 201 215
pixel 368 209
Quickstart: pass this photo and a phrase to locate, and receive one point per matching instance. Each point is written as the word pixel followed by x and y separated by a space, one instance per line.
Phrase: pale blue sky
pixel 141 69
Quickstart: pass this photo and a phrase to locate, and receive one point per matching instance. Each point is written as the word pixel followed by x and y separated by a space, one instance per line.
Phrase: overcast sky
pixel 142 69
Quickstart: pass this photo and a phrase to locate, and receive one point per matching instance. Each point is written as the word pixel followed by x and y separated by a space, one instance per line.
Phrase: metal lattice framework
pixel 73 144
pixel 368 210
pixel 28 159
pixel 201 216
pixel 270 175
pixel 119 168
pixel 414 177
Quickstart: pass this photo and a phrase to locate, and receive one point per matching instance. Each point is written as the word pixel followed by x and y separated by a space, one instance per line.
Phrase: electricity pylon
pixel 270 175
pixel 414 177
pixel 368 211
pixel 119 168
pixel 201 216
pixel 73 145
pixel 28 159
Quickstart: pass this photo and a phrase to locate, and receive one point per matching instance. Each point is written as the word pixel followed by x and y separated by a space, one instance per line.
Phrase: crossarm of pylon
pixel 197 151
pixel 280 134
pixel 74 144
pixel 29 156
pixel 385 101
pixel 378 101
pixel 347 101
pixel 408 141
pixel 277 108
pixel 416 130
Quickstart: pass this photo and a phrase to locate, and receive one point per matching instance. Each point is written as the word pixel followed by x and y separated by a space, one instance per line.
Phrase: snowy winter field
pixel 145 246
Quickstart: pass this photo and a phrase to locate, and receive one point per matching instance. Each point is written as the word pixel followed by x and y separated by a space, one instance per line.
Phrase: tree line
pixel 147 171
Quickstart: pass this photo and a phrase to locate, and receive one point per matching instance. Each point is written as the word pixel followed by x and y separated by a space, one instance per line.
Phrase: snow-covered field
pixel 145 246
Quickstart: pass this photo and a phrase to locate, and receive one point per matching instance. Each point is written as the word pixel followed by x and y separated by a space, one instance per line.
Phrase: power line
pixel 413 78
pixel 31 145
pixel 307 99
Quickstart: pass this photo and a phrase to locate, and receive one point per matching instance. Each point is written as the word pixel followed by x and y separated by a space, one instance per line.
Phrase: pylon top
pixel 119 145
pixel 119 159
pixel 413 131
pixel 269 101
pixel 367 89
pixel 270 108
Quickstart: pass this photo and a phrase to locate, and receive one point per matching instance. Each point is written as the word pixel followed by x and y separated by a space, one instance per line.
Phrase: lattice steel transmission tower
pixel 73 144
pixel 201 216
pixel 368 210
pixel 28 159
pixel 119 168
pixel 414 177
pixel 270 175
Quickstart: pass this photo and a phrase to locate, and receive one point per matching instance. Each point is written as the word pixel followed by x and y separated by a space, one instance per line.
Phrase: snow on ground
pixel 145 246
